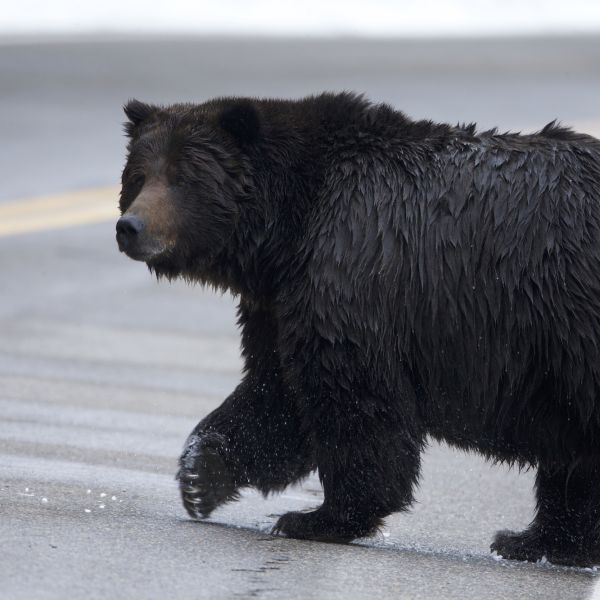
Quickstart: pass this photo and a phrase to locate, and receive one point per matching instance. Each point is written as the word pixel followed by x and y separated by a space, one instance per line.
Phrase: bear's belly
pixel 525 428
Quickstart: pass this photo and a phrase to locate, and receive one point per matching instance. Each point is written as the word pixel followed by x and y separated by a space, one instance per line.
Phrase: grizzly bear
pixel 397 279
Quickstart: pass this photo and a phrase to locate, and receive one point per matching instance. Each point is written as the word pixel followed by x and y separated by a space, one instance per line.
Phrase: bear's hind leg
pixel 566 527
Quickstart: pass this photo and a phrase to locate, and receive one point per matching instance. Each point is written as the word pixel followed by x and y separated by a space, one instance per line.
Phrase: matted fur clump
pixel 396 279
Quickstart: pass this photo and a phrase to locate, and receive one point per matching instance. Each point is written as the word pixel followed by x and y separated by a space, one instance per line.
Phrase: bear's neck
pixel 289 164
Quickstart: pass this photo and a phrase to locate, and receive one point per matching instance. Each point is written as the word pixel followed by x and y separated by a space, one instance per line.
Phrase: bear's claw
pixel 205 482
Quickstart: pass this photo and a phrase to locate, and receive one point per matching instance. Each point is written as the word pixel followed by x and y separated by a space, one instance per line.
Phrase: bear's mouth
pixel 142 249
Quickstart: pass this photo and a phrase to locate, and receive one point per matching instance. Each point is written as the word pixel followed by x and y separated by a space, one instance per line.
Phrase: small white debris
pixel 44 500
pixel 102 495
pixel 101 506
pixel 113 497
pixel 89 492
pixel 496 556
pixel 26 489
pixel 87 510
pixel 386 534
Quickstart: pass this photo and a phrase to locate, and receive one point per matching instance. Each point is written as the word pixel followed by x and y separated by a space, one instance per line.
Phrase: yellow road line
pixel 59 211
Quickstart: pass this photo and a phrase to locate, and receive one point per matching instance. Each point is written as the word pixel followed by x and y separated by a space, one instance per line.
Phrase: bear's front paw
pixel 525 545
pixel 205 482
pixel 322 526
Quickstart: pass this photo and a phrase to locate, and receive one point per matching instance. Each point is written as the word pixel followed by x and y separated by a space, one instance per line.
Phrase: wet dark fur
pixel 397 279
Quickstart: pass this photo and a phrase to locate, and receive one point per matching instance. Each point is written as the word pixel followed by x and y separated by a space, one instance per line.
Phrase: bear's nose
pixel 128 227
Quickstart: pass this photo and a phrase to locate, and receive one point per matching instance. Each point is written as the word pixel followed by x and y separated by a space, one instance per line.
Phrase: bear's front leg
pixel 368 471
pixel 255 438
pixel 368 457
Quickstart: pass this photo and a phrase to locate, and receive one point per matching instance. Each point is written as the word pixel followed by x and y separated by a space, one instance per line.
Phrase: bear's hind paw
pixel 530 545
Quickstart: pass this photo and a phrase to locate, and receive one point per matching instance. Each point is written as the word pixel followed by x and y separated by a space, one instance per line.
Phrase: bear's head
pixel 185 182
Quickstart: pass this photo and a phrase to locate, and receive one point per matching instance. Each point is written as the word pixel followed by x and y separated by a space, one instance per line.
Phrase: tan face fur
pixel 158 216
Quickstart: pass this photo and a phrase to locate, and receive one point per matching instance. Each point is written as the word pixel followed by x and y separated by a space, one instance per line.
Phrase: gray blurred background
pixel 103 372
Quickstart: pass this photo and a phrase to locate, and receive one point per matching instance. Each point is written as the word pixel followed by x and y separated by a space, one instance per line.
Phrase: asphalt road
pixel 103 371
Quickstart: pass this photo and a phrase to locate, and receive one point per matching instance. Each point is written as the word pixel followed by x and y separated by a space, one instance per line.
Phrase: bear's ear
pixel 137 112
pixel 242 121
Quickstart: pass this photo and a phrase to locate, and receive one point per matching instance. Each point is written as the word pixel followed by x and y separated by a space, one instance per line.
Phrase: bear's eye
pixel 137 181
